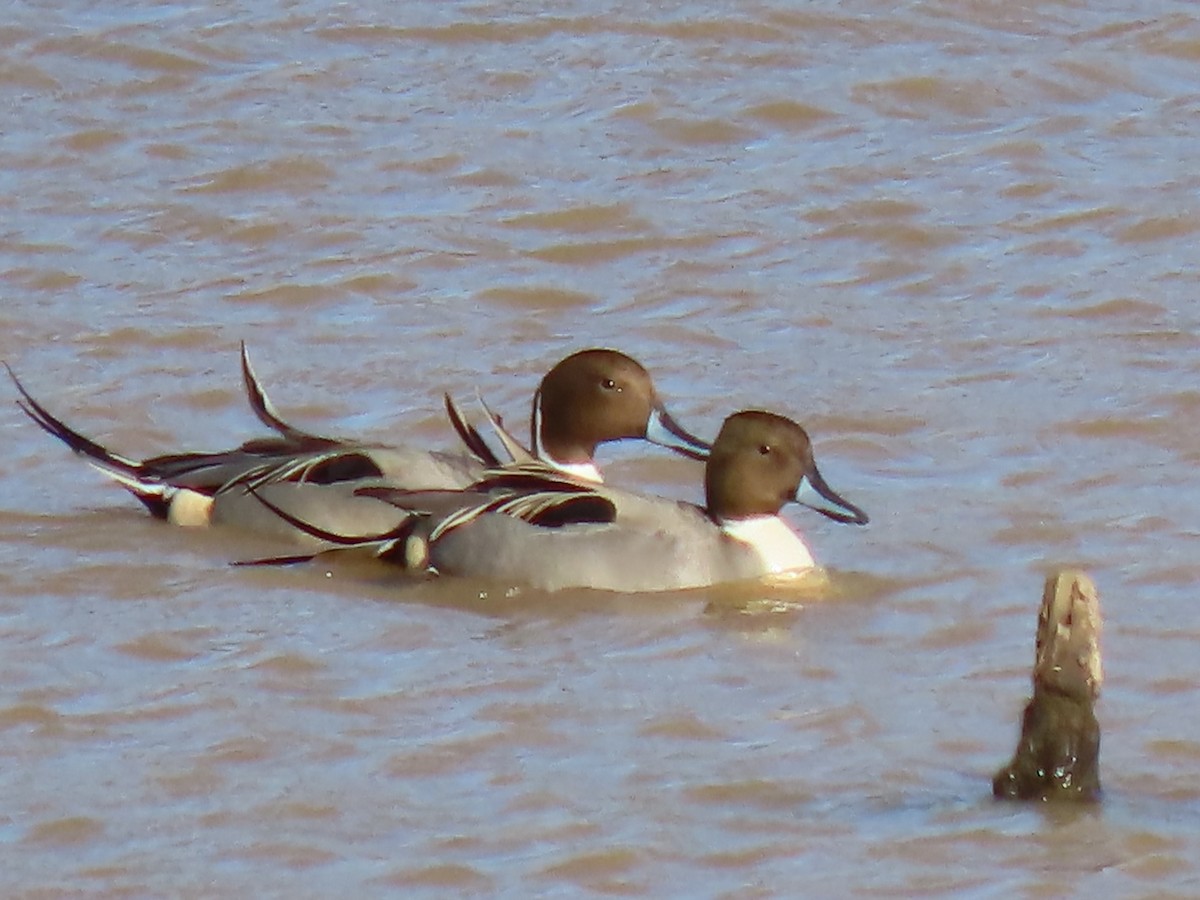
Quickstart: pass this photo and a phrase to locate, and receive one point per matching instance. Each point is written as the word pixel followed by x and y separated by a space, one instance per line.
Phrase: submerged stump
pixel 1058 755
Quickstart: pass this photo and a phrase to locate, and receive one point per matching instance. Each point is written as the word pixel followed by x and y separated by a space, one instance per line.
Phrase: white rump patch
pixel 190 509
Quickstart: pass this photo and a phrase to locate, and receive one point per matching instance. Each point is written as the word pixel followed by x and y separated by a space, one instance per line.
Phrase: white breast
pixel 776 543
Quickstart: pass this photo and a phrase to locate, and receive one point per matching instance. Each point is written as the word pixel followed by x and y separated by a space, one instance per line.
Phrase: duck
pixel 591 397
pixel 532 526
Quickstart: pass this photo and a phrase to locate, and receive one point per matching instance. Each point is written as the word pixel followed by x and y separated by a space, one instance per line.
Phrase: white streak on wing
pixel 586 471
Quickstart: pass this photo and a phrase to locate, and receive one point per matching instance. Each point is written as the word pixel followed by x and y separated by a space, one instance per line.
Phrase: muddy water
pixel 956 239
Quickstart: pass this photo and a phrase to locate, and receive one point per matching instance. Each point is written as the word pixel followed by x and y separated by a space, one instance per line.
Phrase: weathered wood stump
pixel 1058 755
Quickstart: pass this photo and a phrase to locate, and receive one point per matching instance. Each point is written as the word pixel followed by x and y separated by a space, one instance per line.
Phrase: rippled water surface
pixel 957 239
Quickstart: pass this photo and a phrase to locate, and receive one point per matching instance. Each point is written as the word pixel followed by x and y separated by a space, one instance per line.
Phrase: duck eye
pixel 608 384
pixel 764 449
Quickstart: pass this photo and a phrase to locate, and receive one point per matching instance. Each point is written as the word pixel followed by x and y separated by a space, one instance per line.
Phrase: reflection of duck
pixel 551 533
pixel 1058 754
pixel 589 398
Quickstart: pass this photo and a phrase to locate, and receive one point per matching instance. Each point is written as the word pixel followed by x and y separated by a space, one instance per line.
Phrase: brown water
pixel 956 239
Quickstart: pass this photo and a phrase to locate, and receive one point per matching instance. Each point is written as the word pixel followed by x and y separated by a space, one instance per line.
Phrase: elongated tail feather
pixel 517 452
pixel 399 545
pixel 264 409
pixel 291 560
pixel 79 444
pixel 128 473
pixel 345 540
pixel 470 435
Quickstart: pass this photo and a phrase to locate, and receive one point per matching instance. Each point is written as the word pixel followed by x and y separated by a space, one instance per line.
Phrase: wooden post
pixel 1058 754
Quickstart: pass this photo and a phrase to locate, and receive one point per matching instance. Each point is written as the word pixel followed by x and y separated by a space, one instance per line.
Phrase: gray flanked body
pixel 589 398
pixel 686 552
pixel 336 506
pixel 535 527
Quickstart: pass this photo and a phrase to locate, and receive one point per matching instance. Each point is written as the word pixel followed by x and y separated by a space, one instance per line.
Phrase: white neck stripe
pixel 588 471
pixel 539 449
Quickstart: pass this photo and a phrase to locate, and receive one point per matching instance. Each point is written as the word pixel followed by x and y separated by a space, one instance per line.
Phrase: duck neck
pixel 775 542
pixel 581 468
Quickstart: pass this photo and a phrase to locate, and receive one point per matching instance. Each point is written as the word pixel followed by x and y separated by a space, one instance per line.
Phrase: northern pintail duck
pixel 530 526
pixel 591 397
